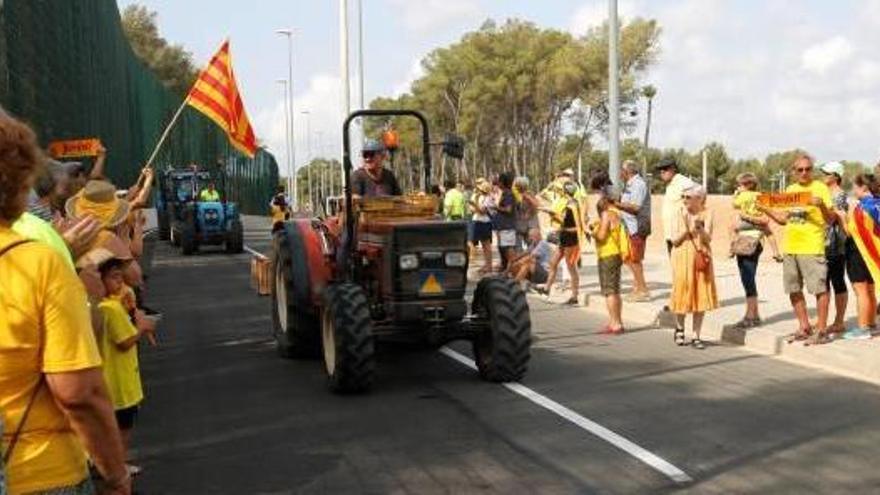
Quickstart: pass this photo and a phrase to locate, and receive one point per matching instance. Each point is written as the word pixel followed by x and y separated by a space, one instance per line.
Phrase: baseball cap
pixel 832 168
pixel 373 145
pixel 665 164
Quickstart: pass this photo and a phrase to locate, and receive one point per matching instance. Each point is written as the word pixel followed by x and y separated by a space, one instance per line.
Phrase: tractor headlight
pixel 408 261
pixel 456 259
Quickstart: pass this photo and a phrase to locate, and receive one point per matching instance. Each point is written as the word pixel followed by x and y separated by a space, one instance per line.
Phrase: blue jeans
pixel 748 269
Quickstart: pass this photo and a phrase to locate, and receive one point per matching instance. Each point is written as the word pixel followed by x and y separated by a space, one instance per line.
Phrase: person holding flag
pixel 862 251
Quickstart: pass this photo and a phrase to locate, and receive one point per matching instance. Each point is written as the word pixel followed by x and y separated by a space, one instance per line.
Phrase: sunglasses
pixel 802 170
pixel 369 155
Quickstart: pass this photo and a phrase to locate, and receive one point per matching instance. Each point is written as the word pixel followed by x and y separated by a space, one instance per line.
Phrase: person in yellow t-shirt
pixel 209 194
pixel 803 248
pixel 607 231
pixel 119 349
pixel 48 355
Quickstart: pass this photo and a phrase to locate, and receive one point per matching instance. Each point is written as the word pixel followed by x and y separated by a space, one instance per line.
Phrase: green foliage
pixel 172 64
pixel 320 179
pixel 514 90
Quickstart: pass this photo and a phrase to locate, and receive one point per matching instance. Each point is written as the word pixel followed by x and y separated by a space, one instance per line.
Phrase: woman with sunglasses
pixel 372 179
pixel 693 276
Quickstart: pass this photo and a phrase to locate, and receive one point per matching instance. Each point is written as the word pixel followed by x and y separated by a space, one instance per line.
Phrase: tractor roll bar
pixel 347 167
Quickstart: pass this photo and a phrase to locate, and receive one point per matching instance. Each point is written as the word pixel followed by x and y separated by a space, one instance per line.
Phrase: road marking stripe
pixel 654 461
pixel 254 251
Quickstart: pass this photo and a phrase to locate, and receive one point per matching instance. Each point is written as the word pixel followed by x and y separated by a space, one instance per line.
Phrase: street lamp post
pixel 307 115
pixel 344 74
pixel 290 177
pixel 613 96
pixel 291 130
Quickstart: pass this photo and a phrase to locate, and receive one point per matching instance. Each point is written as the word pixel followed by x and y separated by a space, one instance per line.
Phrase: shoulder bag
pixel 702 260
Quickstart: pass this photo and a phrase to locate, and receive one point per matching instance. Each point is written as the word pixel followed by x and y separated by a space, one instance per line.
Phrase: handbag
pixel 702 260
pixel 745 245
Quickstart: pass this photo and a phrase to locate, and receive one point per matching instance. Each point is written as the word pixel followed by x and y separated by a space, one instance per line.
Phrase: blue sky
pixel 759 76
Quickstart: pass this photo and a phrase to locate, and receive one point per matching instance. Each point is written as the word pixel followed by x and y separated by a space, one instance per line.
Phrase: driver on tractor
pixel 209 194
pixel 372 179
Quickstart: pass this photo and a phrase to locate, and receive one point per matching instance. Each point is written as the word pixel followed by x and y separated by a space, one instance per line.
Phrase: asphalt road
pixel 224 414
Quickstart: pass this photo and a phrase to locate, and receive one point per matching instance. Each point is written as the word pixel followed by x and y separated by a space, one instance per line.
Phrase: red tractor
pixel 390 269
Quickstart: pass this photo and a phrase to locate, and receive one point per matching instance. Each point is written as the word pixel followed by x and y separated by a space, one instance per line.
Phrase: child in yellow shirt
pixel 119 349
pixel 745 201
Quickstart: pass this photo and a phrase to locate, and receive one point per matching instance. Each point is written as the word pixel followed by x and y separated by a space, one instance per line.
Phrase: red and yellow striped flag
pixel 865 231
pixel 215 94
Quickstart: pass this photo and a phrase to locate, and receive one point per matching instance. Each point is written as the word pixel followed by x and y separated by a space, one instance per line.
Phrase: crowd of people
pixel 818 252
pixel 72 315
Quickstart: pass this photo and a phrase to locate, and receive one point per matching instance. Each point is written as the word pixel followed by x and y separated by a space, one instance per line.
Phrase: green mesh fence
pixel 67 69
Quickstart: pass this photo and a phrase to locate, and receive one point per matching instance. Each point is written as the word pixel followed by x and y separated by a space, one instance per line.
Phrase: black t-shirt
pixel 566 237
pixel 506 220
pixel 364 185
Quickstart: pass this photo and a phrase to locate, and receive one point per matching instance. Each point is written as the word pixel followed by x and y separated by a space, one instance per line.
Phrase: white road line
pixel 653 460
pixel 254 251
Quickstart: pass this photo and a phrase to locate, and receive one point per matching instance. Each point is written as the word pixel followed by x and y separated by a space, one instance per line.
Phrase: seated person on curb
pixel 534 264
pixel 372 179
pixel 209 194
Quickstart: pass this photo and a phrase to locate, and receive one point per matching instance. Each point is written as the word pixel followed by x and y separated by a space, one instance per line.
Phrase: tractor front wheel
pixel 347 338
pixel 294 331
pixel 502 351
pixel 235 238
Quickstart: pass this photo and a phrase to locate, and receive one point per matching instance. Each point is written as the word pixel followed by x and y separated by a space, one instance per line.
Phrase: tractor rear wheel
pixel 164 226
pixel 347 338
pixel 188 243
pixel 502 351
pixel 294 331
pixel 235 238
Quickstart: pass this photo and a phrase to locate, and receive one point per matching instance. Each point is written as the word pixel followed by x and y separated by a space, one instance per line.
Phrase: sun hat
pixel 98 199
pixel 482 185
pixel 835 168
pixel 694 191
pixel 567 171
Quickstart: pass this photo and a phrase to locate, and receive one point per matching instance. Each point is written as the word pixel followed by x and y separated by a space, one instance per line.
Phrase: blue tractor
pixel 189 222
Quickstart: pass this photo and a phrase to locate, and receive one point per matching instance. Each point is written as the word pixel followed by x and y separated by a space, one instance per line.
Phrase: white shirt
pixel 672 203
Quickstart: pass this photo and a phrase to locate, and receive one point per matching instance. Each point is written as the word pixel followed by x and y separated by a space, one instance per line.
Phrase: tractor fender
pixel 311 272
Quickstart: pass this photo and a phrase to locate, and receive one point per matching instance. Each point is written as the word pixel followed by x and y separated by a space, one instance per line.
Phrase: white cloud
pixel 416 71
pixel 595 13
pixel 821 57
pixel 424 15
pixel 321 99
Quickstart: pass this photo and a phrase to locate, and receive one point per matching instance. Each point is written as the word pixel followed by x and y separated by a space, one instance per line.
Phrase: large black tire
pixel 347 338
pixel 235 238
pixel 502 352
pixel 296 333
pixel 188 242
pixel 164 225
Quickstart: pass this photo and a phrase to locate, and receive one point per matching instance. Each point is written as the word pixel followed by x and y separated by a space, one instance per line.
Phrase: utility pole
pixel 705 171
pixel 291 131
pixel 344 75
pixel 291 180
pixel 613 97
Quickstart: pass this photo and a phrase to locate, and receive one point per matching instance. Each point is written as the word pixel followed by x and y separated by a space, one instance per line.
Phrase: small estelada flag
pixel 215 94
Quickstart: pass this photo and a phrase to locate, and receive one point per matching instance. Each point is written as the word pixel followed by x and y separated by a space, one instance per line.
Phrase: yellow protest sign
pixel 785 199
pixel 73 148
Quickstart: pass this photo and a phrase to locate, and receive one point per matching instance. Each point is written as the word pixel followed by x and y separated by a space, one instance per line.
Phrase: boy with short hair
pixel 119 341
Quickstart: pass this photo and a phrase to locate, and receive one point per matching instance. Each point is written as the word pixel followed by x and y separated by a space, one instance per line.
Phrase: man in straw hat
pixel 98 199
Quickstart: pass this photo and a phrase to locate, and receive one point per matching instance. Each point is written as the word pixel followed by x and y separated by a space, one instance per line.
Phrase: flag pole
pixel 166 132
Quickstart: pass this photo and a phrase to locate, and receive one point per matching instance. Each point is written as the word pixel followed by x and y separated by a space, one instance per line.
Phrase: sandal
pixel 678 337
pixel 698 344
pixel 541 290
pixel 819 339
pixel 572 301
pixel 778 258
pixel 800 335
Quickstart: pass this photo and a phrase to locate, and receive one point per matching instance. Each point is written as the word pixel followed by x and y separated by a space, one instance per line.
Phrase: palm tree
pixel 648 92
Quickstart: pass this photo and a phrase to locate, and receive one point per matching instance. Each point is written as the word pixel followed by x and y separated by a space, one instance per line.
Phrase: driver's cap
pixel 373 145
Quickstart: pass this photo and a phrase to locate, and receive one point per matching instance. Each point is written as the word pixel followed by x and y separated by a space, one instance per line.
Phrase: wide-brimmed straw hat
pixel 98 199
pixel 483 185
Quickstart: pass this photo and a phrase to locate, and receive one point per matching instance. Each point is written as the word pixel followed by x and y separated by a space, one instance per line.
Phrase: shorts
pixel 609 275
pixel 540 275
pixel 125 418
pixel 856 268
pixel 506 238
pixel 804 270
pixel 836 274
pixel 84 487
pixel 482 232
pixel 568 239
pixel 636 249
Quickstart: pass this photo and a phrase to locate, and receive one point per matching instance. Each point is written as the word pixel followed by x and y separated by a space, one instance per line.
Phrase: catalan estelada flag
pixel 864 227
pixel 215 94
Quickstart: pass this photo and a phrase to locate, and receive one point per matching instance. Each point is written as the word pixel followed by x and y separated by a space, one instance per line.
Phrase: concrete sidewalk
pixel 855 359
